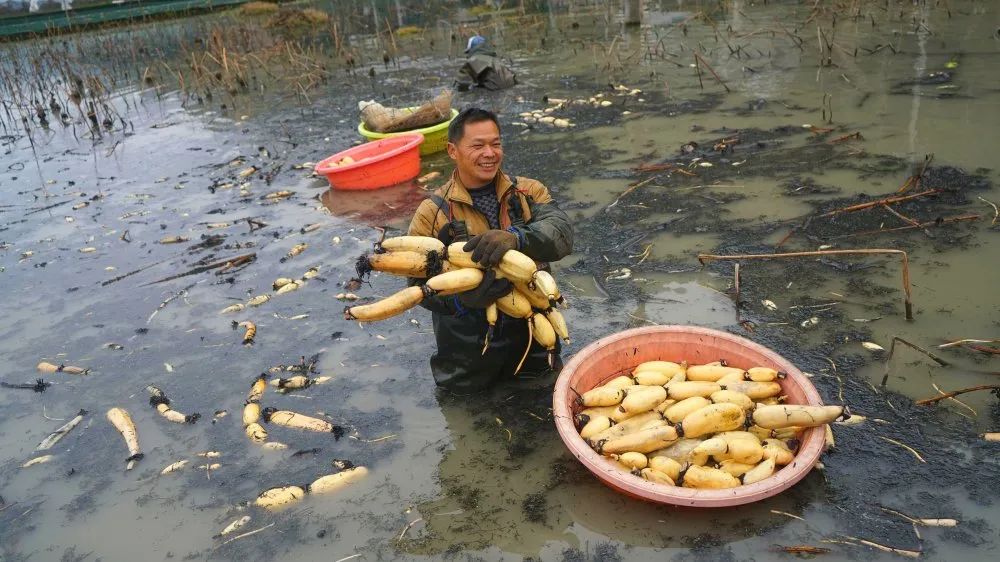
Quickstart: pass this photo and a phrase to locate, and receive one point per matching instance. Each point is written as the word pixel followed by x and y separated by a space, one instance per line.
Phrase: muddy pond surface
pixel 680 167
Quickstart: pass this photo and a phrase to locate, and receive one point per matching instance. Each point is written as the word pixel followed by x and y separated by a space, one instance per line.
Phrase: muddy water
pixel 487 476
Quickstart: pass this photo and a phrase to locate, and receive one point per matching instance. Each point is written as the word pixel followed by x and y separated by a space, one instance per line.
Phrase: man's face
pixel 479 154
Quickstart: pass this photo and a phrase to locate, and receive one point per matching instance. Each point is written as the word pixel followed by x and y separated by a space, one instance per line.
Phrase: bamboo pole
pixel 702 258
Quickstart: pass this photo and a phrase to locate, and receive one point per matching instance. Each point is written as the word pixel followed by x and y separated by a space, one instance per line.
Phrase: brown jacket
pixel 544 234
pixel 431 215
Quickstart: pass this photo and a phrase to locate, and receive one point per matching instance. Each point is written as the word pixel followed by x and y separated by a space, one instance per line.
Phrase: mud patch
pixel 534 507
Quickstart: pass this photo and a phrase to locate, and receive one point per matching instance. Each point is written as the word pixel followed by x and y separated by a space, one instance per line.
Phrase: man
pixel 483 68
pixel 495 212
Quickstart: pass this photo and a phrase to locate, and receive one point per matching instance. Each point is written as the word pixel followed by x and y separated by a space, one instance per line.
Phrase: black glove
pixel 453 231
pixel 487 292
pixel 489 247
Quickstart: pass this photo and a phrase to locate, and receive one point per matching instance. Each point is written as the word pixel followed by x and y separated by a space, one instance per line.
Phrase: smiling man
pixel 494 212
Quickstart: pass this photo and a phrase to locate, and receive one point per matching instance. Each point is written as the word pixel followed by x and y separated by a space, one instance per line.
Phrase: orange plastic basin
pixel 619 353
pixel 376 164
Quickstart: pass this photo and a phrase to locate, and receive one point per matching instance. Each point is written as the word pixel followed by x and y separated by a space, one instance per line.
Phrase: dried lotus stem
pixel 908 302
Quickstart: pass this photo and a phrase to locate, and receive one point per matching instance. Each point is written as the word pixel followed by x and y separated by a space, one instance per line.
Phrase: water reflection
pixel 390 206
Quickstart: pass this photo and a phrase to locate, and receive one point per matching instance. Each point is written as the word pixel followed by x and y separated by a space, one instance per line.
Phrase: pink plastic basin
pixel 619 353
pixel 376 164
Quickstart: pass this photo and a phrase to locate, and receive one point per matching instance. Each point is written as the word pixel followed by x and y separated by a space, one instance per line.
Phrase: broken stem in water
pixel 996 210
pixel 882 547
pixel 965 341
pixel 915 179
pixel 906 219
pixel 928 401
pixel 245 258
pixel 862 251
pixel 905 446
pixel 880 202
pixel 956 400
pixel 630 190
pixel 924 225
pixel 712 70
pixel 247 534
pixel 927 522
pixel 736 287
pixel 892 349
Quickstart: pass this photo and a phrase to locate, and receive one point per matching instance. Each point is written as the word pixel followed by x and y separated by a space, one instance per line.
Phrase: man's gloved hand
pixel 489 247
pixel 487 292
pixel 446 234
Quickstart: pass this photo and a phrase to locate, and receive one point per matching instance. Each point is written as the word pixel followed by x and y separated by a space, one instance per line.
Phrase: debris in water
pixel 905 446
pixel 168 367
pixel 428 177
pixel 304 452
pixel 926 522
pixel 233 308
pixel 618 274
pixel 882 547
pixel 123 423
pixel 769 304
pixel 802 549
pixel 159 400
pixel 174 467
pixel 296 250
pixel 299 421
pixel 289 287
pixel 39 385
pixel 235 525
pixel 809 322
pixel 38 460
pixel 259 300
pixel 58 434
pixel 872 346
pixel 251 332
pixel 297 382
pixel 296 317
pixel 173 240
pixel 46 367
pixel 278 498
pixel 926 401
